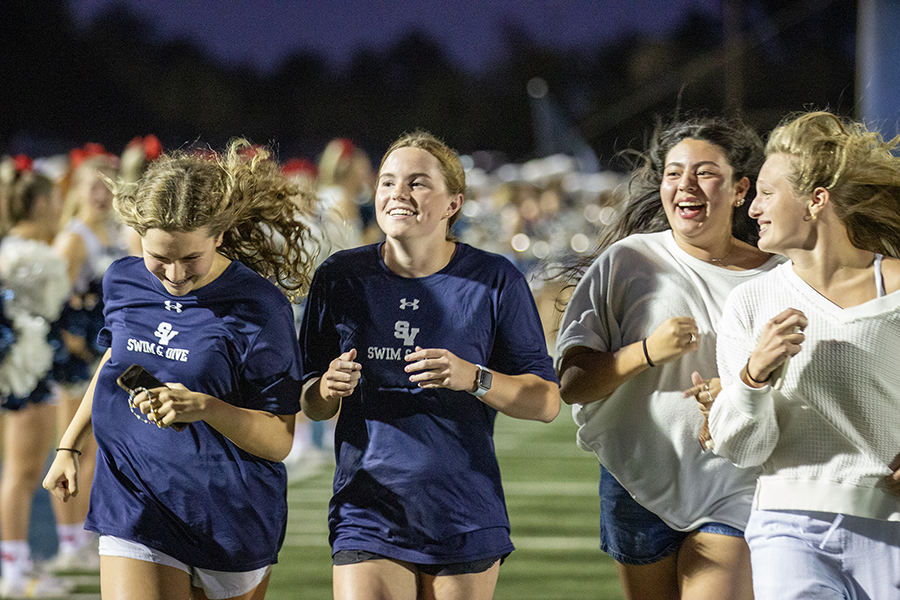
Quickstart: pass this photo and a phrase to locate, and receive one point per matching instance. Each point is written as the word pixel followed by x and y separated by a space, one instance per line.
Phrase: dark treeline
pixel 61 85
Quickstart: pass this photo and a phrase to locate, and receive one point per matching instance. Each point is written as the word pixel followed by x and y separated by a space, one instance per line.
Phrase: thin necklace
pixel 718 260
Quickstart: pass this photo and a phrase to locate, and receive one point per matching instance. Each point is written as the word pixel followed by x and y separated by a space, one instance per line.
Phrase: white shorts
pixel 217 585
pixel 798 554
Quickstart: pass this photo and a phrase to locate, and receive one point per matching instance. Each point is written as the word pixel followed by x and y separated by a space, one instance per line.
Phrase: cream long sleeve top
pixel 826 438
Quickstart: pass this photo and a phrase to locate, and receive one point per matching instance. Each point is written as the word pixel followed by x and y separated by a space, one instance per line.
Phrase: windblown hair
pixel 643 211
pixel 855 165
pixel 451 166
pixel 240 194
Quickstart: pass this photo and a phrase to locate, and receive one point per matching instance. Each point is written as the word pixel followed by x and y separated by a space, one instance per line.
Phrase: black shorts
pixel 352 557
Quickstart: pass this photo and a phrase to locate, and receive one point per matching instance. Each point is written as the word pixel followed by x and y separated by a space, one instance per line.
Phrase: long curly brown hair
pixel 239 193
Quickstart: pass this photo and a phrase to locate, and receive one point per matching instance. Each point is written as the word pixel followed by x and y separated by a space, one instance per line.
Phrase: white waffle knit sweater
pixel 825 439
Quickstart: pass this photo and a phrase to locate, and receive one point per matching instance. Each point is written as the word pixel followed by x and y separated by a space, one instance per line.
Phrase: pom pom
pixel 29 359
pixel 36 285
pixel 36 278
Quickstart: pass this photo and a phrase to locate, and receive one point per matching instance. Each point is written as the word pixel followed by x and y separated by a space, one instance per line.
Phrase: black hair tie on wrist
pixel 72 450
pixel 751 378
pixel 647 354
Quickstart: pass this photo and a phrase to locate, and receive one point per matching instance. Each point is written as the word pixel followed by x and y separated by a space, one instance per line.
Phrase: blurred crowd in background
pixel 541 214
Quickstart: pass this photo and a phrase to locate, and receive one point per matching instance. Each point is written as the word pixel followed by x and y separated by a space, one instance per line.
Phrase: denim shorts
pixel 632 535
pixel 352 557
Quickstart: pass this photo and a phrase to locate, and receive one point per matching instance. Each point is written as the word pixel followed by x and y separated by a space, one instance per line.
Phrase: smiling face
pixel 778 209
pixel 411 196
pixel 182 260
pixel 698 193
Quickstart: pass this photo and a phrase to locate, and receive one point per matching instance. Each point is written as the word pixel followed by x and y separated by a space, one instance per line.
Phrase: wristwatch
pixel 483 380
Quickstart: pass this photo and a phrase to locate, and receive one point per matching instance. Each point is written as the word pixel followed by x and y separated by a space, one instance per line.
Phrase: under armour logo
pixel 404 304
pixel 165 333
pixel 176 306
pixel 402 331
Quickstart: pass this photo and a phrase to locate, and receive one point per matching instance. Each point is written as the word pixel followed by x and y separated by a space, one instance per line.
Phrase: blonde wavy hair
pixel 855 165
pixel 451 166
pixel 239 193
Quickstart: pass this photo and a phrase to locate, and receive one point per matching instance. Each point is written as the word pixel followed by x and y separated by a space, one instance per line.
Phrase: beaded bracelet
pixel 72 450
pixel 647 354
pixel 134 408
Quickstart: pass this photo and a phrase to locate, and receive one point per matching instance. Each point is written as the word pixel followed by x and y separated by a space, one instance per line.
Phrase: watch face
pixel 485 378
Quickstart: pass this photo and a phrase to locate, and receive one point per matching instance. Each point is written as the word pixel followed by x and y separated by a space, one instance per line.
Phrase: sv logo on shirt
pixel 165 333
pixel 403 331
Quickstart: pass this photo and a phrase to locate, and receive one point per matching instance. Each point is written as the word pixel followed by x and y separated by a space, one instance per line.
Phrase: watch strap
pixel 483 380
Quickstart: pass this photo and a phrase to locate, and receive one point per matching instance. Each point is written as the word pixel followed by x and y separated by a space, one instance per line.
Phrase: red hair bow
pixel 23 163
pixel 300 167
pixel 347 148
pixel 89 150
pixel 150 144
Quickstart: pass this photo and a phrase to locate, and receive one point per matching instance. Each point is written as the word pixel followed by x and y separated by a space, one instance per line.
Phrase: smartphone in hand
pixel 136 377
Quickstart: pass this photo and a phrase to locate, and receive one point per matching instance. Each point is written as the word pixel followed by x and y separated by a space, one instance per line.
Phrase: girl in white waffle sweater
pixel 825 426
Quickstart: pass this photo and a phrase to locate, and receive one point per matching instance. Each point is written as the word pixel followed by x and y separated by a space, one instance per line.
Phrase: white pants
pixel 823 556
pixel 215 584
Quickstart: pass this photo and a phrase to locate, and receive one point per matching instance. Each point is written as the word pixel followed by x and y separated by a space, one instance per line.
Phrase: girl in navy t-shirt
pixel 419 341
pixel 189 491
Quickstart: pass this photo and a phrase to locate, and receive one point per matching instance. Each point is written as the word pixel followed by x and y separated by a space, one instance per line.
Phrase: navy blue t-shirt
pixel 193 494
pixel 417 478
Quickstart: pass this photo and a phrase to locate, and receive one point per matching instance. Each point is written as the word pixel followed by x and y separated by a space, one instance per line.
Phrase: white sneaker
pixel 86 558
pixel 34 585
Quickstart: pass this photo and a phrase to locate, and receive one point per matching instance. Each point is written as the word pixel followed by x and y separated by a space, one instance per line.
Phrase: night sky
pixel 263 32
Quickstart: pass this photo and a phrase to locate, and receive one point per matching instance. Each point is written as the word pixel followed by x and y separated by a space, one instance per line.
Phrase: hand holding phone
pixel 137 379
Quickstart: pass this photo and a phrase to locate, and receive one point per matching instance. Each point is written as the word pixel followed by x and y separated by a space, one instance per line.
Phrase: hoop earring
pixel 812 215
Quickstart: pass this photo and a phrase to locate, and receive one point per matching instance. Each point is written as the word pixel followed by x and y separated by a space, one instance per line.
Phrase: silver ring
pixel 693 339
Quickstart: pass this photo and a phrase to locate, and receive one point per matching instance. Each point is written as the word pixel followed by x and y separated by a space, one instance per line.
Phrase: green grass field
pixel 551 493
